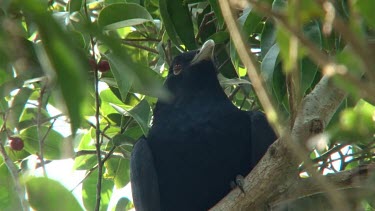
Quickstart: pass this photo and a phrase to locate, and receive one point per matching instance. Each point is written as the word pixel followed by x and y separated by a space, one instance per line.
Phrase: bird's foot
pixel 238 182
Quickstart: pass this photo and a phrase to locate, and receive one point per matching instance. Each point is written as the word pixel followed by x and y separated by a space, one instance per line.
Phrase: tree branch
pixel 354 178
pixel 277 171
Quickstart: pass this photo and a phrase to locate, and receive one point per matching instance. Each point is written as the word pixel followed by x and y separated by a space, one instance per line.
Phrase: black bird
pixel 198 143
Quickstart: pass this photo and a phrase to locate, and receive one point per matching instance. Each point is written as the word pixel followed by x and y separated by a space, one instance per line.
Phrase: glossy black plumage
pixel 199 141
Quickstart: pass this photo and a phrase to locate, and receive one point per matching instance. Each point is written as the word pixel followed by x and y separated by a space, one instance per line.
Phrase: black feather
pixel 199 142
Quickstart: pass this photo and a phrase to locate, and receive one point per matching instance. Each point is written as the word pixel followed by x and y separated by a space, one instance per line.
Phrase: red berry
pixel 92 64
pixel 103 66
pixel 16 143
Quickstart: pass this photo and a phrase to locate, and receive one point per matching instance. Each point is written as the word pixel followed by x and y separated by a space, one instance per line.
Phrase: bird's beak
pixel 205 53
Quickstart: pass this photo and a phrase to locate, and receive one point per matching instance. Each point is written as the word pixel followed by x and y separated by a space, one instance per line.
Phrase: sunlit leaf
pixel 89 191
pixel 141 113
pixel 118 169
pixel 55 146
pixel 47 194
pixel 123 204
pixel 120 15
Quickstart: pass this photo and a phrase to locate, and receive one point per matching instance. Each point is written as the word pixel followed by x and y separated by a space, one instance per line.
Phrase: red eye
pixel 177 69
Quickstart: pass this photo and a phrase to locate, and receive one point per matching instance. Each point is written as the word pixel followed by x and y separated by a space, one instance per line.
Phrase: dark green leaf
pixel 312 31
pixel 220 37
pixel 267 38
pixel 308 69
pixel 216 8
pixel 167 21
pixel 176 17
pixel 269 63
pixel 75 5
pixel 252 20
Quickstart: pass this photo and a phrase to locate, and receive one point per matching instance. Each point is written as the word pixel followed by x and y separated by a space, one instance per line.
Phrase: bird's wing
pixel 144 180
pixel 262 135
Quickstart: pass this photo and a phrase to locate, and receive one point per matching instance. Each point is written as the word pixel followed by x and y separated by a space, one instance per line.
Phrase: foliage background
pixel 49 56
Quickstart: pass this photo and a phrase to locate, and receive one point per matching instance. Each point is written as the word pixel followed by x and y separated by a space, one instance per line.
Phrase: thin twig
pixel 234 92
pixel 41 147
pixel 97 120
pixel 39 125
pixel 141 47
pixel 203 24
pixel 142 40
pixel 93 152
pixel 251 65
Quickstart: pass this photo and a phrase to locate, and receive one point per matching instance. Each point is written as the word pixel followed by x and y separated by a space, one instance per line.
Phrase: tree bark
pixel 276 174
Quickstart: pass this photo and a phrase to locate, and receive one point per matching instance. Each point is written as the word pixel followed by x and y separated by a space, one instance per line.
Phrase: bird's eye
pixel 177 69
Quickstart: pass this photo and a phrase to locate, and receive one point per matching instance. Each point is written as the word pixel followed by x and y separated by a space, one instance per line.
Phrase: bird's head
pixel 193 71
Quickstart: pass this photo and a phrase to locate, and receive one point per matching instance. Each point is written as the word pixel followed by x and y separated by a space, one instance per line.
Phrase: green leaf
pixel 55 146
pixel 123 204
pixel 69 66
pixel 123 139
pixel 366 9
pixel 124 81
pixel 216 8
pixel 219 37
pixel 279 88
pixel 308 69
pixel 309 10
pixel 167 21
pixel 118 169
pixel 267 38
pixel 6 88
pixel 89 191
pixel 357 124
pixel 252 20
pixel 8 197
pixel 269 63
pixel 129 70
pixel 85 162
pixel 17 107
pixel 121 15
pixel 75 5
pixel 176 17
pixel 312 31
pixel 46 194
pixel 141 114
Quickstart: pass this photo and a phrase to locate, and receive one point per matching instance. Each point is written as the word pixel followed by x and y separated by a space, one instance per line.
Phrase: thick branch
pixel 316 110
pixel 276 172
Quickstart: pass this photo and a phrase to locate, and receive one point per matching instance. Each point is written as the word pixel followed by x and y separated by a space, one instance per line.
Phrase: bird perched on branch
pixel 199 141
